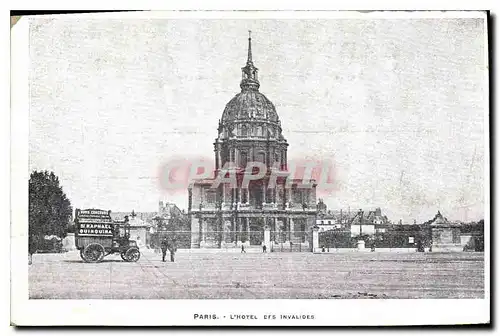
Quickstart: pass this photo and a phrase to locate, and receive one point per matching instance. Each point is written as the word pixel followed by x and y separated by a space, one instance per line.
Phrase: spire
pixel 249 60
pixel 249 78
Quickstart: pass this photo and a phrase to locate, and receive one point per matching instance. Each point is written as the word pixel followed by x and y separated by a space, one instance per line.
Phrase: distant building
pixel 139 228
pixel 369 223
pixel 373 221
pixel 170 216
pixel 334 219
pixel 328 223
pixel 144 225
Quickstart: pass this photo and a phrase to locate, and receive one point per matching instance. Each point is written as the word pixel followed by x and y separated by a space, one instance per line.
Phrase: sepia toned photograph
pixel 261 156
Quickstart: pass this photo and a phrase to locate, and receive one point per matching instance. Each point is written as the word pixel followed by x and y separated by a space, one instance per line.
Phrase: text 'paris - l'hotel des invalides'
pixel 241 213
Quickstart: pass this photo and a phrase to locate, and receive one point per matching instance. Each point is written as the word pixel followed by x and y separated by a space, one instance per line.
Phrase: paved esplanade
pixel 219 274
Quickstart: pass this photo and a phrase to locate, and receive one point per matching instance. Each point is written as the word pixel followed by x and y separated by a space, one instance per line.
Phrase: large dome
pixel 250 130
pixel 249 104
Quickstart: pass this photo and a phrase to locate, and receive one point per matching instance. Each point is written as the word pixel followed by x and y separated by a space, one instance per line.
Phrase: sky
pixel 397 105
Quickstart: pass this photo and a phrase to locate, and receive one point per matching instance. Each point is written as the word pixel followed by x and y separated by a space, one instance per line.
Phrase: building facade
pixel 236 212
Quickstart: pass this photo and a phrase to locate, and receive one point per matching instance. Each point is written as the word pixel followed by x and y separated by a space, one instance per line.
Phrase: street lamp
pixel 361 242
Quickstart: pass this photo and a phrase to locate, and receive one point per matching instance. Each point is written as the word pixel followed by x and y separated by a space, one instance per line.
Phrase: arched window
pixel 259 131
pixel 244 130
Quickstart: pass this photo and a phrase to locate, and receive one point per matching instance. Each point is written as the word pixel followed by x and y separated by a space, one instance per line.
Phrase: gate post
pixel 267 237
pixel 315 238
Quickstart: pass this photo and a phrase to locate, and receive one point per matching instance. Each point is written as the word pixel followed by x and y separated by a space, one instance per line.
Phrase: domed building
pixel 259 212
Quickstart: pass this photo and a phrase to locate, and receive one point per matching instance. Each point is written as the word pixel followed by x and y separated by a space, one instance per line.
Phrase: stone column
pixel 234 226
pixel 225 224
pixel 315 239
pixel 291 229
pixel 267 237
pixel 199 230
pixel 264 201
pixel 239 225
pixel 361 245
pixel 289 196
pixel 285 196
pixel 274 227
pixel 216 150
pixel 202 232
pixel 442 237
pixel 223 187
pixel 248 231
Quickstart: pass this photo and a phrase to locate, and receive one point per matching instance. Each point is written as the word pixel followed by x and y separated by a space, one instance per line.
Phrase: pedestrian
pixel 164 248
pixel 172 248
pixel 264 248
pixel 243 249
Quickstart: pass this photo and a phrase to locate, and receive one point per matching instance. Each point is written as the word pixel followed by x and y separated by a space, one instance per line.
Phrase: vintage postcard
pixel 251 168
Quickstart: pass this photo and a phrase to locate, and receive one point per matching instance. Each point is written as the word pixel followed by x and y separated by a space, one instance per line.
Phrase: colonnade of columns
pixel 242 195
pixel 282 229
pixel 235 156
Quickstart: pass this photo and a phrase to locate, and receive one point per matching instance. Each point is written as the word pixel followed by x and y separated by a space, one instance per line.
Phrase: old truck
pixel 97 236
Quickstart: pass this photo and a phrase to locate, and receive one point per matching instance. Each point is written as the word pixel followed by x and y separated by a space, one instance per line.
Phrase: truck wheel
pixel 122 254
pixel 132 254
pixel 93 253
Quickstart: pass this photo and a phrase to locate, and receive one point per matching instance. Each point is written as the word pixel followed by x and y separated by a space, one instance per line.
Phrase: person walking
pixel 264 248
pixel 164 248
pixel 172 248
pixel 243 249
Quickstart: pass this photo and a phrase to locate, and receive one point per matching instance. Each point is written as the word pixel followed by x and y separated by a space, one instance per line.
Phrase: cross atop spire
pixel 249 60
pixel 249 79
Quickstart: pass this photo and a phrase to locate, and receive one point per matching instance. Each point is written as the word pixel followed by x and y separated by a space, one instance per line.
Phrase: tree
pixel 49 209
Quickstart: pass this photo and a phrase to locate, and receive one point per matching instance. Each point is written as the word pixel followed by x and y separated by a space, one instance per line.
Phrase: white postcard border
pixel 180 312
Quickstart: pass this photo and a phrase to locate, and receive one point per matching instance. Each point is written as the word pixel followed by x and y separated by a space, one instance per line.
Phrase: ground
pixel 214 274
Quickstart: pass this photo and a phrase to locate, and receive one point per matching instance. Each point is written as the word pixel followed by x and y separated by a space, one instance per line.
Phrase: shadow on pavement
pixel 102 261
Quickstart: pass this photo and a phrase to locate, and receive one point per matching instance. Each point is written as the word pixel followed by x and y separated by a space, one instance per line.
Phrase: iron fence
pixel 301 241
pixel 419 239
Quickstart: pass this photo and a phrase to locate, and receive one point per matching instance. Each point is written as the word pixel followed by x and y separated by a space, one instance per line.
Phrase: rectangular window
pixel 261 157
pixel 211 197
pixel 243 157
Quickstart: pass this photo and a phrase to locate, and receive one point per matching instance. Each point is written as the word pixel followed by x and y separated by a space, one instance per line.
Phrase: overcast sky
pixel 397 105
